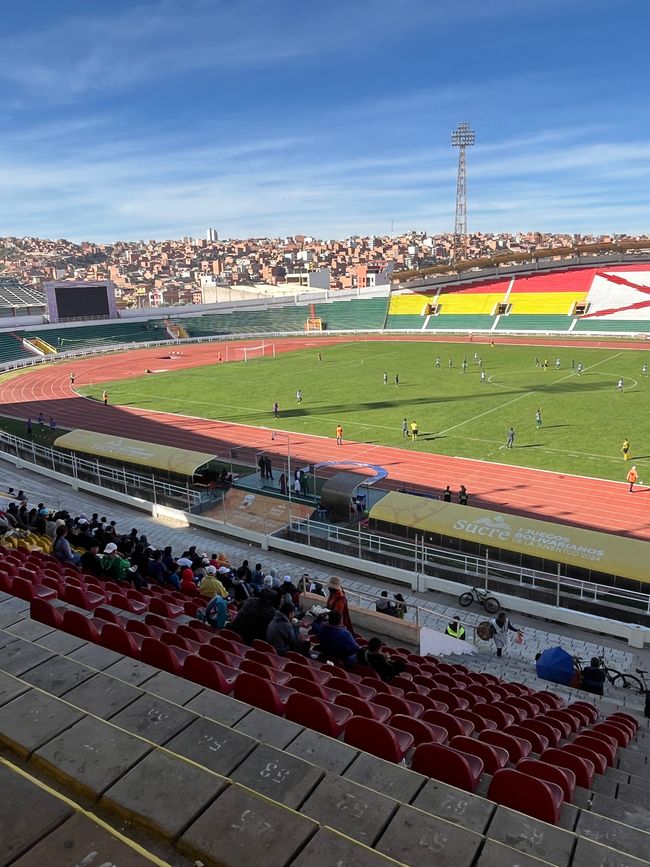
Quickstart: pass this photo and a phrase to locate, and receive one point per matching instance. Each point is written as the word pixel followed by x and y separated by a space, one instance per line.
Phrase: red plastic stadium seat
pixel 24 589
pixel 361 707
pixel 448 765
pixel 597 760
pixel 552 701
pixel 166 624
pixel 201 636
pixel 423 732
pixel 492 757
pixel 108 616
pixel 489 711
pixel 262 693
pixel 482 693
pixel 122 601
pixel 160 655
pixel 582 768
pixel 42 611
pixel 206 673
pixel 357 689
pixel 265 671
pixel 528 707
pixel 380 686
pixel 399 705
pixel 621 735
pixel 620 723
pixel 163 608
pixel 378 739
pixel 314 713
pixel 563 726
pixel 264 646
pixel 118 639
pixel 526 794
pixel 426 702
pixel 318 675
pixel 514 711
pixel 174 640
pixel 517 748
pixel 450 722
pixel 75 623
pixel 625 717
pixel 217 654
pixel 538 742
pixel 552 733
pixel 270 659
pixel 452 699
pixel 586 708
pixel 480 723
pixel 143 629
pixel 562 777
pixel 80 598
pixel 599 743
pixel 310 687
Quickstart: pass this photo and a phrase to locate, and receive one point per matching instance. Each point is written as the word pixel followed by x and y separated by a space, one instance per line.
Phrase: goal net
pixel 249 353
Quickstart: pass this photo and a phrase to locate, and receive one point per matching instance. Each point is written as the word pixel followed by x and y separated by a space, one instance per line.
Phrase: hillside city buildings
pixel 208 270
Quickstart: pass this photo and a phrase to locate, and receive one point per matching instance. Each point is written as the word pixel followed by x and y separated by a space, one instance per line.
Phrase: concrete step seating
pixel 200 774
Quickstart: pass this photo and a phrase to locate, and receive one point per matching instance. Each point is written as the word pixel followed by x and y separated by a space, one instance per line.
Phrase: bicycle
pixel 482 597
pixel 631 681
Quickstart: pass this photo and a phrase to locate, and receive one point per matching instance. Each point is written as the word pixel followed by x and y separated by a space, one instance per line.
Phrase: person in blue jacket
pixel 335 640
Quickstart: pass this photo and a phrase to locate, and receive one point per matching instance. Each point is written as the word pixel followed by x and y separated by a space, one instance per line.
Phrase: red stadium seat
pixel 75 623
pixel 423 732
pixel 380 686
pixel 108 616
pixel 489 711
pixel 347 686
pixel 582 768
pixel 585 707
pixel 265 671
pixel 549 699
pixel 552 733
pixel 399 705
pixel 526 794
pixel 310 687
pixel 620 734
pixel 453 724
pixel 517 748
pixel 378 739
pixel 163 608
pixel 538 742
pixel 426 702
pixel 80 598
pixel 563 727
pixel 264 646
pixel 448 765
pixel 207 673
pixel 314 713
pixel 160 655
pixel 598 761
pixel 562 777
pixel 318 675
pixel 122 601
pixel 492 757
pixel 450 698
pixel 361 707
pixel 217 654
pixel 262 693
pixel 480 723
pixel 42 611
pixel 599 743
pixel 270 659
pixel 623 716
pixel 24 589
pixel 116 638
pixel 528 707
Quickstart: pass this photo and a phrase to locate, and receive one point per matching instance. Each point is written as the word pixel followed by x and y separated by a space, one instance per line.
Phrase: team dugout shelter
pixel 174 465
pixel 543 546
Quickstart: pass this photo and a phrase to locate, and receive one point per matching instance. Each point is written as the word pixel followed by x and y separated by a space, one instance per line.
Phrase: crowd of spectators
pixel 253 601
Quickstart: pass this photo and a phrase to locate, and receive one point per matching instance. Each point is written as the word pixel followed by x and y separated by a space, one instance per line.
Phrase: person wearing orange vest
pixel 339 435
pixel 632 477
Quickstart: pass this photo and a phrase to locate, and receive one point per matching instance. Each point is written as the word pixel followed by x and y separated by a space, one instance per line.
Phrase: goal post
pixel 250 353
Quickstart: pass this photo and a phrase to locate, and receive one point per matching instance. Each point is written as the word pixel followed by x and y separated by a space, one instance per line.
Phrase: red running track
pixel 584 502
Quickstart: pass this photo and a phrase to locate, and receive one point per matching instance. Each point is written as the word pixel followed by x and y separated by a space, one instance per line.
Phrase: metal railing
pixel 115 478
pixel 425 560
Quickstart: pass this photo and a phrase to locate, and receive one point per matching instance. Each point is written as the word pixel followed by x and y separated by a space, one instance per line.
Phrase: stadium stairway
pixel 106 730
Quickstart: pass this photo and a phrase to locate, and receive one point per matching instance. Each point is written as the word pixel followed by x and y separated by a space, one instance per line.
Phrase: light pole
pixel 462 137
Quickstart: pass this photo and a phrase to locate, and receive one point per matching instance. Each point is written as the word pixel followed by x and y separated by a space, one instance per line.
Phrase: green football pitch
pixel 584 417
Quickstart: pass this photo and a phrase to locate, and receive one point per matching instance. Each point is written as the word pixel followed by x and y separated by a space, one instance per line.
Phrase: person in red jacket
pixel 336 601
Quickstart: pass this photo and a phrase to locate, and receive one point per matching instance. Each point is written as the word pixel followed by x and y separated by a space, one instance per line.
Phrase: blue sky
pixel 158 119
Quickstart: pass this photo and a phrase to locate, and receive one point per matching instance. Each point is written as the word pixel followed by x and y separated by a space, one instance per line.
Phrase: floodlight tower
pixel 462 137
